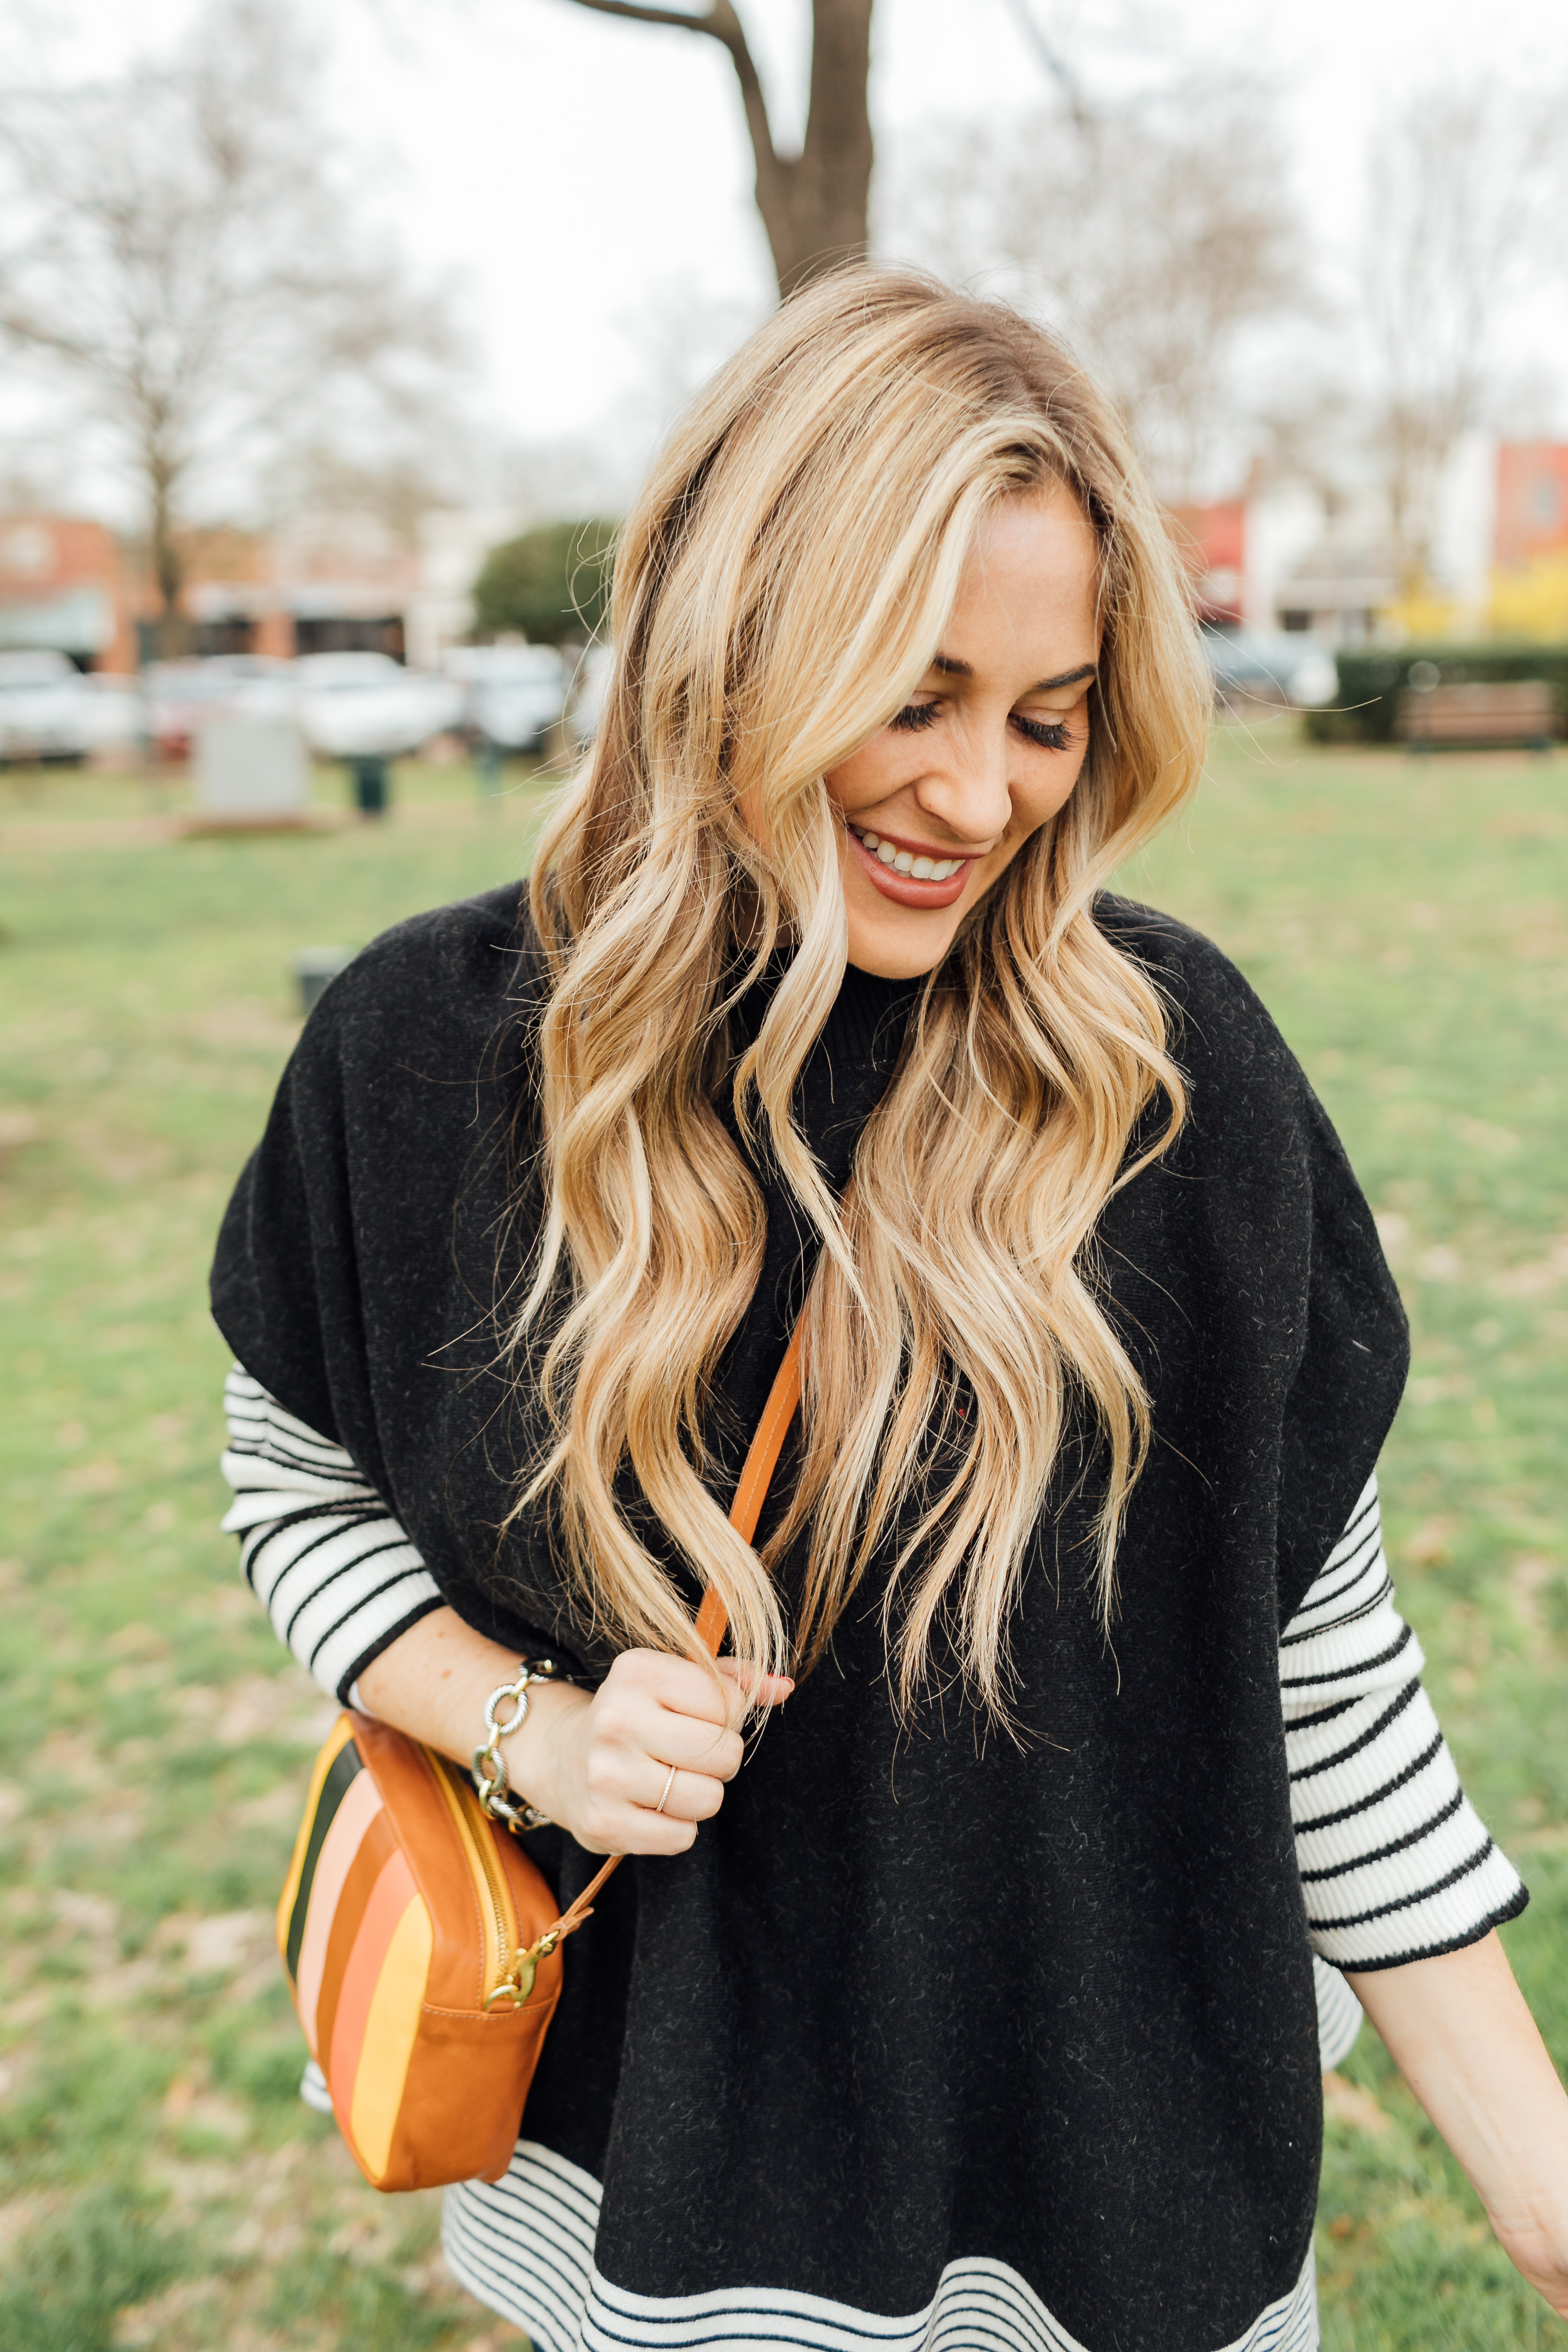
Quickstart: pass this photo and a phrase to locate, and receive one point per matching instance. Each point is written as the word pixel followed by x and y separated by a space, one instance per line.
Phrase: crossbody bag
pixel 423 1944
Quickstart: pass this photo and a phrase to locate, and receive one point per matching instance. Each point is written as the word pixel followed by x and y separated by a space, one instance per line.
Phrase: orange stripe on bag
pixel 379 1843
pixel 343 1840
pixel 391 1895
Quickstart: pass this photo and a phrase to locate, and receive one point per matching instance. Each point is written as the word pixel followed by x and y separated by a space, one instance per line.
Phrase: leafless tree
pixel 1155 238
pixel 813 204
pixel 1467 191
pixel 183 258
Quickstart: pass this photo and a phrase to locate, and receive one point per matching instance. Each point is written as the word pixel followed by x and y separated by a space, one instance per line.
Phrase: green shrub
pixel 550 585
pixel 1367 704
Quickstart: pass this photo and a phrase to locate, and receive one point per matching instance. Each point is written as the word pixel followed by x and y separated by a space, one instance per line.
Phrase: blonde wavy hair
pixel 780 588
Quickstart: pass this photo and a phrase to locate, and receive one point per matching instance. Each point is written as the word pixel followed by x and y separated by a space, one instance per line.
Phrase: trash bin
pixel 371 781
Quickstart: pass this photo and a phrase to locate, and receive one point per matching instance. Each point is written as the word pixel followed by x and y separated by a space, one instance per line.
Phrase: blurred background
pixel 332 345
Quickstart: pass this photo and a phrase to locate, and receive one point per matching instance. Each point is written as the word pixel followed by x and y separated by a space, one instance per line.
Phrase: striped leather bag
pixel 423 1945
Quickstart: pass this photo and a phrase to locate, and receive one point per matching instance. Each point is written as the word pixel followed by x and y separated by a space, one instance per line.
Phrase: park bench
pixel 1522 711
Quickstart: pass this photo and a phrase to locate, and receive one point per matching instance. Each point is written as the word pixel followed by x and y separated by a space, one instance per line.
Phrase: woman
pixel 973 2002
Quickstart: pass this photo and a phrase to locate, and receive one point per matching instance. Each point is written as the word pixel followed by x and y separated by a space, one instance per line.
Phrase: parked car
pixel 368 706
pixel 589 693
pixel 1270 666
pixel 45 710
pixel 116 710
pixel 181 695
pixel 513 695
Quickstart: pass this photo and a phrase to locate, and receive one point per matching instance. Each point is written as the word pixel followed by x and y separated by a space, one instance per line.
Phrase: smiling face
pixel 987 749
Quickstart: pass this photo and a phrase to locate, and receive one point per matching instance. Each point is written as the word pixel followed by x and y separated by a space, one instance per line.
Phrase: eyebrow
pixel 951 666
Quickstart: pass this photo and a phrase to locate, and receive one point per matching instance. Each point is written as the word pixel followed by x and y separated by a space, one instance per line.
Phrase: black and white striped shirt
pixel 1394 1865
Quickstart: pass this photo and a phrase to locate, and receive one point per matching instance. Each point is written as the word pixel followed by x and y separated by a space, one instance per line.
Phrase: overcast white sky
pixel 577 178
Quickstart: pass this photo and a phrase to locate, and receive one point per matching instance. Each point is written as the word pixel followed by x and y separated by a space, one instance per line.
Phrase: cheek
pixel 1043 795
pixel 867 775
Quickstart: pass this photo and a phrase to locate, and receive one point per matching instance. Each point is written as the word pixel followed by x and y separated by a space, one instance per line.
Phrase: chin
pixel 904 945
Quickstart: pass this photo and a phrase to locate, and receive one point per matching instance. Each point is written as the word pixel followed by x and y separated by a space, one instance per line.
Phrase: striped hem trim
pixel 1340 2014
pixel 524 2246
pixel 1473 1933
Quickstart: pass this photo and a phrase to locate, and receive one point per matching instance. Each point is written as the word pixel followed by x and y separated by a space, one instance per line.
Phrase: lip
pixel 902 888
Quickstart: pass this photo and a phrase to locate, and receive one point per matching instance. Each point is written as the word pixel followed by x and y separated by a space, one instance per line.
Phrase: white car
pixel 116 710
pixel 368 706
pixel 47 710
pixel 1270 667
pixel 182 696
pixel 513 693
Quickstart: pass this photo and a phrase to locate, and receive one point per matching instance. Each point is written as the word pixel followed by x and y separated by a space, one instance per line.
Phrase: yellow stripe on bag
pixel 389 2034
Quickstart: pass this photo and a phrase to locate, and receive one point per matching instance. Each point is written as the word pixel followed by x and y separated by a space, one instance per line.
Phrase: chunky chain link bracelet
pixel 489 1770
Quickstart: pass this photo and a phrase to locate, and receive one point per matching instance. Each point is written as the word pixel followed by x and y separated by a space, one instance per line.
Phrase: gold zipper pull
pixel 517 1987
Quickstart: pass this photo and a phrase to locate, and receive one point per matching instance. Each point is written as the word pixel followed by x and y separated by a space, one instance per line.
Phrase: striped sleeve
pixel 1394 1865
pixel 334 1571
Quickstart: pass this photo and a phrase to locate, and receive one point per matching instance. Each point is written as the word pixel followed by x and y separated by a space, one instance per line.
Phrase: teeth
pixel 904 861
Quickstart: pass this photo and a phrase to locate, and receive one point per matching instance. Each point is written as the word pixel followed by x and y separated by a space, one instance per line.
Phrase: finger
pixel 634 1828
pixel 687 1797
pixel 748 1689
pixel 758 1690
pixel 675 1683
pixel 647 1735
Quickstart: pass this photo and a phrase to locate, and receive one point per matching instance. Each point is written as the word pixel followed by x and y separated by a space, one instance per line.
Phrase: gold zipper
pixel 500 1927
pixel 512 1982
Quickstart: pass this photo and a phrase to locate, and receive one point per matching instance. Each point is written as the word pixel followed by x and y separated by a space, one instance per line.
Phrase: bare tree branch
pixel 723 24
pixel 1054 64
pixel 1155 238
pixel 688 23
pixel 813 204
pixel 1466 193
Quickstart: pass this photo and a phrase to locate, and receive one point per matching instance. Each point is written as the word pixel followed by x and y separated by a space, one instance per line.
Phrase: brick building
pixel 64 588
pixel 1211 540
pixel 1531 503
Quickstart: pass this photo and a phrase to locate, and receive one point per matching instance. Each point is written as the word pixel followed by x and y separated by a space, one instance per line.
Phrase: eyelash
pixel 1051 735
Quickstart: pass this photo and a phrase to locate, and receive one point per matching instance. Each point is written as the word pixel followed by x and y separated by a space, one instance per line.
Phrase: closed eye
pixel 1052 733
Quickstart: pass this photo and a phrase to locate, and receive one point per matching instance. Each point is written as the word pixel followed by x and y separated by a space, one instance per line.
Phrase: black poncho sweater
pixel 925 2000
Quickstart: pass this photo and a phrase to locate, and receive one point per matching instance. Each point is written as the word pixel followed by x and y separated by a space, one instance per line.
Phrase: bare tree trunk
pixel 172 629
pixel 813 204
pixel 816 219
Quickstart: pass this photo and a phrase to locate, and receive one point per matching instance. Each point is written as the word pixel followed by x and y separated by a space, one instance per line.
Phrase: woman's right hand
pixel 599 1765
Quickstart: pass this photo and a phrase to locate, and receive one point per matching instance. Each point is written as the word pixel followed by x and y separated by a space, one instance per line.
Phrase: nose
pixel 965 788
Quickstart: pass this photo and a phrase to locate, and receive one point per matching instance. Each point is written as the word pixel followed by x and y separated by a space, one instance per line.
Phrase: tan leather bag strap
pixel 713 1618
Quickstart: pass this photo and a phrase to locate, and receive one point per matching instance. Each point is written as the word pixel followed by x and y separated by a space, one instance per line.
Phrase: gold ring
pixel 668 1787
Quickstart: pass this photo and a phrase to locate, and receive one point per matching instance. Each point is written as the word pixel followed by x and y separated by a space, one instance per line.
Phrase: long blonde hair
pixel 780 588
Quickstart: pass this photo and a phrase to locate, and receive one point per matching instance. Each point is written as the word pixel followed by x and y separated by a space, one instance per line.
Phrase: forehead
pixel 1028 591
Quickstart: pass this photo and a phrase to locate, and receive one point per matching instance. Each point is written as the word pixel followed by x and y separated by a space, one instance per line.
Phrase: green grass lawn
pixel 163 2187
